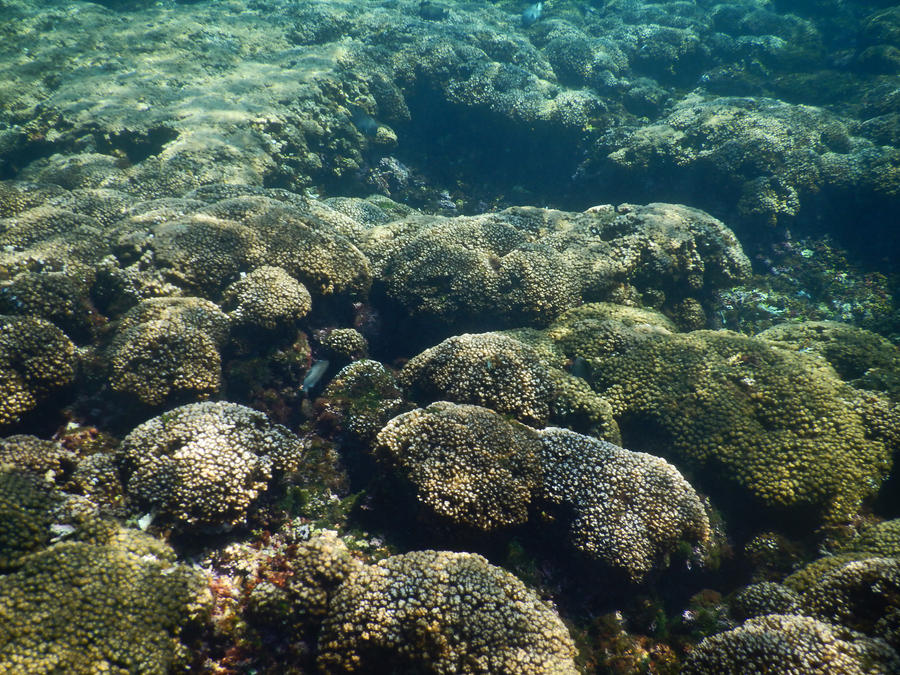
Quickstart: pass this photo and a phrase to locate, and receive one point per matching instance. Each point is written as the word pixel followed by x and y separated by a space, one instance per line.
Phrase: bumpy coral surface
pixel 361 399
pixel 203 464
pixel 862 594
pixel 299 586
pixel 302 240
pixel 779 423
pixel 26 514
pixel 509 376
pixel 779 643
pixel 763 598
pixel 489 370
pixel 467 463
pixel 55 296
pixel 883 538
pixel 771 155
pixel 475 467
pixel 630 508
pixel 168 347
pixel 526 266
pixel 345 343
pixel 863 358
pixel 45 459
pixel 267 297
pixel 36 359
pixel 78 607
pixel 441 612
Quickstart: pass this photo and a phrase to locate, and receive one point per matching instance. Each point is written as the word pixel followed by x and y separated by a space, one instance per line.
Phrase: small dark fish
pixel 314 375
pixel 580 368
pixel 364 122
pixel 433 11
pixel 531 15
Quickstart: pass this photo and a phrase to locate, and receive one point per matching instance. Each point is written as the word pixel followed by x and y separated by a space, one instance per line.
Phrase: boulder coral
pixel 863 595
pixel 629 509
pixel 883 538
pixel 779 423
pixel 467 463
pixel 361 399
pixel 79 607
pixel 776 422
pixel 36 360
pixel 301 240
pixel 509 376
pixel 203 464
pixel 863 358
pixel 205 246
pixel 267 297
pixel 441 612
pixel 488 370
pixel 478 469
pixel 790 643
pixel 525 266
pixel 47 460
pixel 167 348
pixel 26 514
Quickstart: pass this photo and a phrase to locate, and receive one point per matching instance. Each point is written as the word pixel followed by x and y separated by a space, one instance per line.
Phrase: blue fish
pixel 314 375
pixel 532 14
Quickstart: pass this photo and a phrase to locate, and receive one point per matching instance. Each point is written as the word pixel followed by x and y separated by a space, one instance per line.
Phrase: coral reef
pixel 489 370
pixel 529 265
pixel 467 463
pixel 360 400
pixel 203 464
pixel 630 509
pixel 441 612
pixel 80 607
pixel 320 210
pixel 784 641
pixel 267 297
pixel 777 422
pixel 36 359
pixel 166 348
pixel 476 468
pixel 26 507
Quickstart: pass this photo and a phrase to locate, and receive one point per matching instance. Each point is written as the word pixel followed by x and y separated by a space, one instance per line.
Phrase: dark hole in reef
pixel 25 150
pixel 136 145
pixel 485 155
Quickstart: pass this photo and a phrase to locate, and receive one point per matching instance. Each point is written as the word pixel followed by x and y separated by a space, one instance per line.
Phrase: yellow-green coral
pixel 863 358
pixel 44 459
pixel 26 514
pixel 301 241
pixel 630 509
pixel 297 588
pixel 204 463
pixel 166 347
pixel 441 612
pixel 863 595
pixel 267 297
pixel 780 643
pixel 500 372
pixel 467 463
pixel 762 598
pixel 883 538
pixel 488 369
pixel 361 398
pixel 525 266
pixel 36 358
pixel 82 608
pixel 345 343
pixel 779 423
